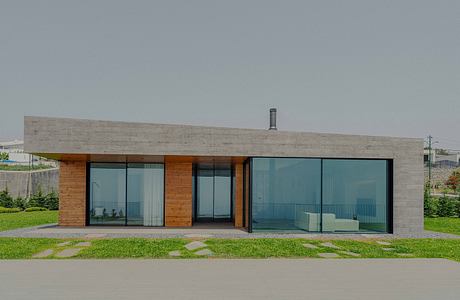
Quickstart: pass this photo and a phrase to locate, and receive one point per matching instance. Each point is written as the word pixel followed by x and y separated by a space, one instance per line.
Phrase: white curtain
pixel 153 194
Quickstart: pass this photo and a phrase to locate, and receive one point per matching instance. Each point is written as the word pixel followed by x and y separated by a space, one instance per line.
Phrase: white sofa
pixel 312 222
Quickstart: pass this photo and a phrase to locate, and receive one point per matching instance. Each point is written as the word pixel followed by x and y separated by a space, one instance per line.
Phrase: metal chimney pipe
pixel 272 119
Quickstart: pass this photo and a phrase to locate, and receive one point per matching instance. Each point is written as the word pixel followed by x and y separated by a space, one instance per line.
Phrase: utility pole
pixel 430 138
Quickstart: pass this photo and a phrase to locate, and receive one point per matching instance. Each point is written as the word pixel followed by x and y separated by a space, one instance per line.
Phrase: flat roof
pixel 52 137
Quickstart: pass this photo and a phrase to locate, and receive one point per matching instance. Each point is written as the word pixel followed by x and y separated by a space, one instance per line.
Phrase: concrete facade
pixel 58 138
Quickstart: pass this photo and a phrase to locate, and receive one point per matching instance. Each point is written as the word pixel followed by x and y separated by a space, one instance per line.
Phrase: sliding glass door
pixel 145 194
pixel 213 192
pixel 126 194
pixel 283 189
pixel 107 194
pixel 320 195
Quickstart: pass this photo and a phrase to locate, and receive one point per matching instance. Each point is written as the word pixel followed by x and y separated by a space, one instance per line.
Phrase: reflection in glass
pixel 355 195
pixel 107 193
pixel 286 194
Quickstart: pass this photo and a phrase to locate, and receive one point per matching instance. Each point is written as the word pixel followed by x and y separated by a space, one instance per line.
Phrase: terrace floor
pixel 199 231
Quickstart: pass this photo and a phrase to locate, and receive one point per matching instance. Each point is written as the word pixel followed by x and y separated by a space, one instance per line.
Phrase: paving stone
pixel 388 249
pixel 328 255
pixel 64 244
pixel 195 245
pixel 175 253
pixel 350 253
pixel 204 252
pixel 310 246
pixel 95 235
pixel 83 244
pixel 68 252
pixel 330 245
pixel 43 254
pixel 383 243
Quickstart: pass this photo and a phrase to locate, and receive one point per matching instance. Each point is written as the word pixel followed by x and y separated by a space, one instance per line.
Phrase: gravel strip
pixel 34 232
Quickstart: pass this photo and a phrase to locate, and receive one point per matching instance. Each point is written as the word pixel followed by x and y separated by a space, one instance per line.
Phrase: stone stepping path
pixel 175 253
pixel 328 255
pixel 68 252
pixel 330 245
pixel 83 244
pixel 388 249
pixel 349 253
pixel 195 245
pixel 204 252
pixel 43 254
pixel 310 246
pixel 63 244
pixel 383 243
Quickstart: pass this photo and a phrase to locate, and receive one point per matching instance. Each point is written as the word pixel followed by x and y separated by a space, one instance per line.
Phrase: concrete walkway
pixel 54 231
pixel 230 279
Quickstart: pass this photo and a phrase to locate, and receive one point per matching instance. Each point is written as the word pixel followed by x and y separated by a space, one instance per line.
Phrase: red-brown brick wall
pixel 178 192
pixel 238 195
pixel 72 193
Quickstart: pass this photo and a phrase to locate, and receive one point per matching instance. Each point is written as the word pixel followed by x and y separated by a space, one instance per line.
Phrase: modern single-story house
pixel 138 174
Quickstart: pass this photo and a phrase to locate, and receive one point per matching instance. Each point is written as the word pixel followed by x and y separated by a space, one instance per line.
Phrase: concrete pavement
pixel 230 279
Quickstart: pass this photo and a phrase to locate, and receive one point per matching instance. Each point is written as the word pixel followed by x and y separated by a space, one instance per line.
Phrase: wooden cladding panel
pixel 238 195
pixel 72 193
pixel 178 193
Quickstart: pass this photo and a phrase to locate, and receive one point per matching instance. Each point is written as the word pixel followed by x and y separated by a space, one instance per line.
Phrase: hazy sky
pixel 361 67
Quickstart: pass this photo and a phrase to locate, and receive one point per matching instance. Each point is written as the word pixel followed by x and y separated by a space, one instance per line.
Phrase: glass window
pixel 107 193
pixel 355 195
pixel 126 194
pixel 145 194
pixel 286 194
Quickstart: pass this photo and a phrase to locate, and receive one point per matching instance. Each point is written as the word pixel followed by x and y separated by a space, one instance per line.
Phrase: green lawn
pixel 20 248
pixel 447 225
pixel 15 248
pixel 27 219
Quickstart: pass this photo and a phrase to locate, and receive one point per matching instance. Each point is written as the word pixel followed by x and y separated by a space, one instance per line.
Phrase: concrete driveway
pixel 230 279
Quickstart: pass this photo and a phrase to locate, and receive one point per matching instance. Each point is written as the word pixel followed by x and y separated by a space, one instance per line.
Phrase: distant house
pixel 15 150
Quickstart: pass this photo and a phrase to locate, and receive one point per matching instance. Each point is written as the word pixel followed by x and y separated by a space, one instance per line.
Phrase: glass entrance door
pixel 213 193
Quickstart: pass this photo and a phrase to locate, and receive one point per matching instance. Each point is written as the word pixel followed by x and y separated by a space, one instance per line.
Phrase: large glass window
pixel 107 193
pixel 286 194
pixel 328 195
pixel 355 195
pixel 213 192
pixel 145 194
pixel 126 194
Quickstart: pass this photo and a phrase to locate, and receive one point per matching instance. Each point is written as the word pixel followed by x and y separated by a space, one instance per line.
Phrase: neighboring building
pixel 15 150
pixel 426 156
pixel 450 160
pixel 119 173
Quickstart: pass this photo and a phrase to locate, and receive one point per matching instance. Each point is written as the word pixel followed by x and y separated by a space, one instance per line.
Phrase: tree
pixel 4 156
pixel 454 181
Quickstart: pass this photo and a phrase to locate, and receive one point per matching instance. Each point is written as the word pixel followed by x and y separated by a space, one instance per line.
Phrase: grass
pixel 134 248
pixel 5 167
pixel 142 248
pixel 27 219
pixel 21 248
pixel 447 225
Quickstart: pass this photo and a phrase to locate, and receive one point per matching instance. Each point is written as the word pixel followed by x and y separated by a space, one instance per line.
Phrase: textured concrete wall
pixel 21 183
pixel 52 137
